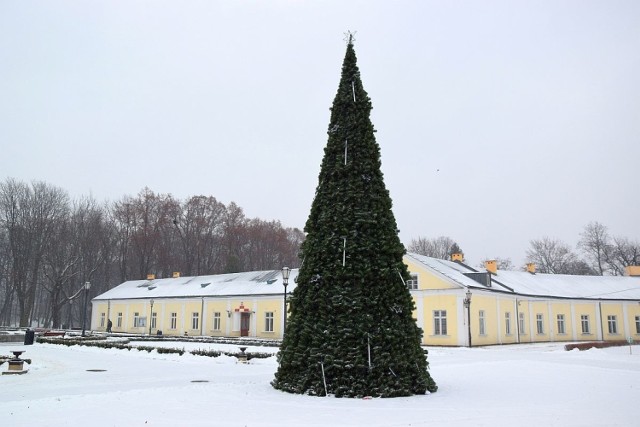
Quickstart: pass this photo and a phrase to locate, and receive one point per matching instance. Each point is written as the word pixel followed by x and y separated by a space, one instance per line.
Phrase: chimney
pixel 151 276
pixel 632 270
pixel 491 265
pixel 457 257
pixel 531 267
pixel 176 274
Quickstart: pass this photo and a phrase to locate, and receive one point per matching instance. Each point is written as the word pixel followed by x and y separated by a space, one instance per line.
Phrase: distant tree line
pixel 51 245
pixel 596 253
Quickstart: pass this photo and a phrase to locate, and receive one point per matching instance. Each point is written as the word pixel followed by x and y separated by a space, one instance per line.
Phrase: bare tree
pixel 122 220
pixel 607 255
pixel 555 257
pixel 439 247
pixel 151 216
pixel 92 239
pixel 295 238
pixel 6 290
pixel 48 249
pixel 270 246
pixel 145 233
pixel 596 245
pixel 624 253
pixel 28 214
pixel 235 238
pixel 200 229
pixel 60 265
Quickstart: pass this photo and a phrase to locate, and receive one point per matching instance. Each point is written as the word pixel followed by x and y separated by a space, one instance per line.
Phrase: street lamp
pixel 150 317
pixel 87 285
pixel 467 303
pixel 285 281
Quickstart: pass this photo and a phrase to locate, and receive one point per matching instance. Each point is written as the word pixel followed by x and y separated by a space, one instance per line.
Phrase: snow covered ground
pixel 525 385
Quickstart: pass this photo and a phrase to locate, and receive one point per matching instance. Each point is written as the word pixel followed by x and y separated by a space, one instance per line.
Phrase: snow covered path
pixel 527 385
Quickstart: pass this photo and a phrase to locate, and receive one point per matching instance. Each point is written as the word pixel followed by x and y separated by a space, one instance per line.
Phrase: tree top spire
pixel 350 37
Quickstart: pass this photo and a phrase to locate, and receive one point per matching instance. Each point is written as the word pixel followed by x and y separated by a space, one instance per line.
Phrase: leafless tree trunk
pixel 122 220
pixel 6 291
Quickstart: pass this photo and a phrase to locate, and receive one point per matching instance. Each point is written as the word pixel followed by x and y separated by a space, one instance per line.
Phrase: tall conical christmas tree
pixel 350 330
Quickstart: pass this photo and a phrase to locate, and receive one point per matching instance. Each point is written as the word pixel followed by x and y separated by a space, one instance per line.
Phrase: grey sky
pixel 499 121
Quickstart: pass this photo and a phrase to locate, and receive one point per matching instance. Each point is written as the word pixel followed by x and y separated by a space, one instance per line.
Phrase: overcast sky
pixel 498 121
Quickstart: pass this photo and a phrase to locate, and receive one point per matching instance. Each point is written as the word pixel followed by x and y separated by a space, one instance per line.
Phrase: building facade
pixel 455 305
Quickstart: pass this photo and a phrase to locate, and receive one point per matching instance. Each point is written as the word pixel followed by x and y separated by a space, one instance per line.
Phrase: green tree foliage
pixel 351 313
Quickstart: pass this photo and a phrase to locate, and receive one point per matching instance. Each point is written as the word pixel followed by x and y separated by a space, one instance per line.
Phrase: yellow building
pixel 456 305
pixel 229 305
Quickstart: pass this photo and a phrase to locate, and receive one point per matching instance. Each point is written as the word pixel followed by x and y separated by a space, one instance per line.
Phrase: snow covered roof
pixel 452 271
pixel 538 284
pixel 254 283
pixel 269 282
pixel 569 286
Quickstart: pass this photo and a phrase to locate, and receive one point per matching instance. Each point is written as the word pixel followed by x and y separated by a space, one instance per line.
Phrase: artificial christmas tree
pixel 350 330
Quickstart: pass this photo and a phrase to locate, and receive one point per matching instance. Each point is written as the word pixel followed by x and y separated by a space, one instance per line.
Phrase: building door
pixel 245 324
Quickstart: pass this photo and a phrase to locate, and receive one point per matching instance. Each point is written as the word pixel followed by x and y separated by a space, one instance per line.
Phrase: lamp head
pixel 285 274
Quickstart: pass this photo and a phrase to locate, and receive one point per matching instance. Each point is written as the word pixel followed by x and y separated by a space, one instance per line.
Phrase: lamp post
pixel 150 316
pixel 467 303
pixel 285 281
pixel 87 286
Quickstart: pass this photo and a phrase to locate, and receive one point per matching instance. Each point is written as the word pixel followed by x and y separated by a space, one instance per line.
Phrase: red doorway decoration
pixel 245 319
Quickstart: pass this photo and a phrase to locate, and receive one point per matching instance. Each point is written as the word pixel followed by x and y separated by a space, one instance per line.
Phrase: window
pixel 561 328
pixel 119 320
pixel 507 323
pixel 139 321
pixel 522 324
pixel 481 324
pixel 195 320
pixel 612 322
pixel 637 324
pixel 440 322
pixel 268 321
pixel 540 323
pixel 216 321
pixel 584 321
pixel 154 318
pixel 102 318
pixel 412 284
pixel 174 320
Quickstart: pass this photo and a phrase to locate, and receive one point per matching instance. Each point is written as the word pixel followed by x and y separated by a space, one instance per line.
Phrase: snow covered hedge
pixel 101 342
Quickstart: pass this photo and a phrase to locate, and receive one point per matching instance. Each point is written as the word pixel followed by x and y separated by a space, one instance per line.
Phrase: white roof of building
pixel 269 282
pixel 538 284
pixel 252 283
